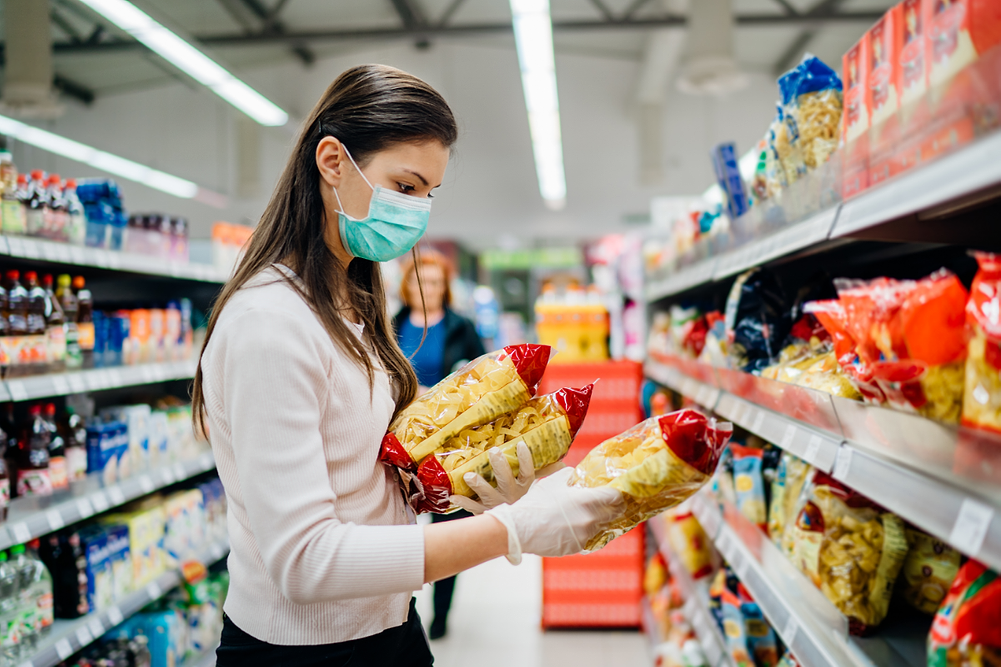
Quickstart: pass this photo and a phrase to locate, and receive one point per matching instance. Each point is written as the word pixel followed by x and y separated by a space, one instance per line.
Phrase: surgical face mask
pixel 394 224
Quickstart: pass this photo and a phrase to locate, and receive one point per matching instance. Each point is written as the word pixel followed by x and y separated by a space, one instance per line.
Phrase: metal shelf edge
pixel 96 379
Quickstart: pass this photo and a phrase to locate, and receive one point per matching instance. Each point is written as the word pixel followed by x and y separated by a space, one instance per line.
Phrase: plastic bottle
pixel 37 347
pixel 84 321
pixel 37 203
pixel 39 602
pixel 15 221
pixel 58 468
pixel 55 327
pixel 76 221
pixel 17 304
pixel 25 571
pixel 73 431
pixel 4 479
pixel 10 627
pixel 55 227
pixel 33 475
pixel 4 323
pixel 11 211
pixel 70 306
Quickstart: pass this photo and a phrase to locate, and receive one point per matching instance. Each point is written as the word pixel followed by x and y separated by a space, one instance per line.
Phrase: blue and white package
pixel 724 157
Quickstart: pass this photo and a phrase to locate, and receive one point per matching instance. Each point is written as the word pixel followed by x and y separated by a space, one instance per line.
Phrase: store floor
pixel 494 622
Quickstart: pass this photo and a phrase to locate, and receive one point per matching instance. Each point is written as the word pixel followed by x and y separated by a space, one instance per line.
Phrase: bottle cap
pixel 13 274
pixel 17 549
pixel 78 282
pixel 71 184
pixel 37 174
pixel 35 410
pixel 50 409
pixel 31 276
pixel 47 280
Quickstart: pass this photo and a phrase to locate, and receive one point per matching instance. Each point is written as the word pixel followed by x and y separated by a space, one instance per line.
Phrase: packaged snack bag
pixel 756 320
pixel 833 316
pixel 734 629
pixel 966 631
pixel 547 424
pixel 690 542
pixel 982 398
pixel 790 479
pixel 656 465
pixel 761 641
pixel 958 33
pixel 716 588
pixel 482 390
pixel 850 548
pixel 655 576
pixel 928 571
pixel 749 483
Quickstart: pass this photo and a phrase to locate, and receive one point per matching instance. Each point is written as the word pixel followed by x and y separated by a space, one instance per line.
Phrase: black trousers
pixel 444 588
pixel 402 646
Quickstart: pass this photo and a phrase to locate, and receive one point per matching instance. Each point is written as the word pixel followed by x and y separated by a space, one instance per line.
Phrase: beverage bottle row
pixel 42 205
pixel 42 454
pixel 42 330
pixel 26 603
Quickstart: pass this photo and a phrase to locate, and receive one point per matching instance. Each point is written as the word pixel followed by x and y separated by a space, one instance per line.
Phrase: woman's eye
pixel 404 188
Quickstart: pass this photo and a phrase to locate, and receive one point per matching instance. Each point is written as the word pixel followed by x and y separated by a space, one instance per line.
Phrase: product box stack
pixel 602 589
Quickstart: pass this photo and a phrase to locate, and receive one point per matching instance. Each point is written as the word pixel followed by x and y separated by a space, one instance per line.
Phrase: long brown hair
pixel 368 108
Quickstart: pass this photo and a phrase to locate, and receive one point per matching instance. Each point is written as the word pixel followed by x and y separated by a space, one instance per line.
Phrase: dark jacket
pixel 461 340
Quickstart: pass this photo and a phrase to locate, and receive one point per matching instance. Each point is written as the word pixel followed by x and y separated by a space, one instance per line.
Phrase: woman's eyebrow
pixel 411 171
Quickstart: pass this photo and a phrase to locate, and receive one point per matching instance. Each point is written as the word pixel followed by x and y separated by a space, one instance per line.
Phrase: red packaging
pixel 958 33
pixel 883 62
pixel 967 627
pixel 855 120
pixel 911 45
pixel 561 415
pixel 982 396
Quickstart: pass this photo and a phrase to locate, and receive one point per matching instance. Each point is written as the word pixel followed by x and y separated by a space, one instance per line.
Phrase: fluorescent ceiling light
pixel 112 164
pixel 189 60
pixel 533 35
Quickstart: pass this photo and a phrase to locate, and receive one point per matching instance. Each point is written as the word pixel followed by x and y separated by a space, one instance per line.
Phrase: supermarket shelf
pixel 71 255
pixel 963 174
pixel 74 382
pixel 887 455
pixel 29 518
pixel 67 637
pixel 696 608
pixel 814 630
pixel 682 280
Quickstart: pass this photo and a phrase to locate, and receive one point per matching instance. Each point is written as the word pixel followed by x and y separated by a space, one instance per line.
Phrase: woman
pixel 436 339
pixel 299 378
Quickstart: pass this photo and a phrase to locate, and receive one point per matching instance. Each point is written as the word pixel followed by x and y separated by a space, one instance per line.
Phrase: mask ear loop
pixel 360 173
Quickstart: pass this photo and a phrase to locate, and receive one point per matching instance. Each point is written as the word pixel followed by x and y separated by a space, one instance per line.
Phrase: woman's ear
pixel 330 160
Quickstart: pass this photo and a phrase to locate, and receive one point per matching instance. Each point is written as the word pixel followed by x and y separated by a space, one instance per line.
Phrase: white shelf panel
pixel 684 279
pixel 949 178
pixel 33 387
pixel 899 460
pixel 71 255
pixel 792 239
pixel 33 517
pixel 66 637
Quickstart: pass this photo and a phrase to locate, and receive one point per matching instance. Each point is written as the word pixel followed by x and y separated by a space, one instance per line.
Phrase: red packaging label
pixel 912 76
pixel 34 482
pixel 856 73
pixel 882 57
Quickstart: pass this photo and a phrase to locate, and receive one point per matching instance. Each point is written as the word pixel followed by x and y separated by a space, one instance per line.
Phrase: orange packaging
pixel 139 331
pixel 958 33
pixel 855 120
pixel 911 46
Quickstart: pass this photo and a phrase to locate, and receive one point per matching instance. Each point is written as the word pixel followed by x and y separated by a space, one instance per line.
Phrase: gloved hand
pixel 509 488
pixel 554 519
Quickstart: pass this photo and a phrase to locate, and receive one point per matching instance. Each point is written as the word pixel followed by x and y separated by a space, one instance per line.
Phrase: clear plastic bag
pixel 547 424
pixel 656 464
pixel 982 398
pixel 480 391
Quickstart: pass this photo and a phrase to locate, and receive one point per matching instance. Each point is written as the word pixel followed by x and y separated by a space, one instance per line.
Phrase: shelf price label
pixel 115 616
pixel 18 392
pixel 55 519
pixel 76 383
pixel 99 501
pixel 84 507
pixel 972 524
pixel 20 532
pixel 759 421
pixel 843 464
pixel 788 436
pixel 153 591
pixel 812 449
pixel 116 496
pixel 63 649
pixel 146 484
pixel 60 385
pixel 83 636
pixel 789 630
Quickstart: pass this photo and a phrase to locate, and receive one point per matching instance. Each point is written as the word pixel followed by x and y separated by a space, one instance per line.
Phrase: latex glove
pixel 554 519
pixel 509 488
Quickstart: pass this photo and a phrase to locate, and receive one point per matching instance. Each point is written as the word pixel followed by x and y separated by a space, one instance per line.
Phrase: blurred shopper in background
pixel 451 341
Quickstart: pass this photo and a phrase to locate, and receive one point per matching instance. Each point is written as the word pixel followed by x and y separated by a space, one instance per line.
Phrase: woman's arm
pixel 453 546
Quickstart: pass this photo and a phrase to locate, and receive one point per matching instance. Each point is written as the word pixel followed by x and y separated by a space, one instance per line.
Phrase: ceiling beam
pixel 786 7
pixel 798 46
pixel 247 12
pixel 465 30
pixel 449 13
pixel 410 14
pixel 72 89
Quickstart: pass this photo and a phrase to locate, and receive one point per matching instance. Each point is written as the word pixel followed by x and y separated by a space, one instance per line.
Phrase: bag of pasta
pixel 812 96
pixel 928 571
pixel 480 391
pixel 546 424
pixel 656 464
pixel 982 398
pixel 850 548
pixel 966 631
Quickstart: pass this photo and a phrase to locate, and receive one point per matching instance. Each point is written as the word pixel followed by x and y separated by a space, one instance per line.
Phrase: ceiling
pixel 94 59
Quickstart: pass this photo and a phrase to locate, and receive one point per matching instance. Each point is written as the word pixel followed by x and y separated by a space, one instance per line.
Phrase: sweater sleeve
pixel 274 385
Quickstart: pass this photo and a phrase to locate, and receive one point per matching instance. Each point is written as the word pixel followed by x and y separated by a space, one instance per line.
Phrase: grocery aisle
pixel 495 622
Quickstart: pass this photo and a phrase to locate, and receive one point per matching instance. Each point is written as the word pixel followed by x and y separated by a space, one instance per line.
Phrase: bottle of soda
pixel 76 221
pixel 10 622
pixel 39 599
pixel 55 327
pixel 55 228
pixel 67 300
pixel 58 466
pixel 37 204
pixel 73 431
pixel 33 475
pixel 85 320
pixel 25 572
pixel 38 345
pixel 16 315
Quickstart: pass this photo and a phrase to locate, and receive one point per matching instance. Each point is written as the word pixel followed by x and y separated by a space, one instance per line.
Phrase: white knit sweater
pixel 319 554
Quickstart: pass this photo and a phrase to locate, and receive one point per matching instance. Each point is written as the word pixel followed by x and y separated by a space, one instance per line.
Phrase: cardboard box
pixel 911 47
pixel 883 60
pixel 855 118
pixel 958 33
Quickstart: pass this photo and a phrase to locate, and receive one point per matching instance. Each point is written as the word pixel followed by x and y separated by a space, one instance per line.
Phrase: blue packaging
pixel 119 558
pixel 724 159
pixel 761 642
pixel 107 442
pixel 100 583
pixel 165 631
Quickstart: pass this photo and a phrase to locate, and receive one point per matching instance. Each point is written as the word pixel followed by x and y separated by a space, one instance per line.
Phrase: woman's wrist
pixel 453 546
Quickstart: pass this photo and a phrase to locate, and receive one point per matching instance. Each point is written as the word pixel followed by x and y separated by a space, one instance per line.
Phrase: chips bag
pixel 928 571
pixel 547 424
pixel 850 548
pixel 982 398
pixel 690 542
pixel 480 391
pixel 749 483
pixel 656 465
pixel 790 477
pixel 966 631
pixel 735 630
